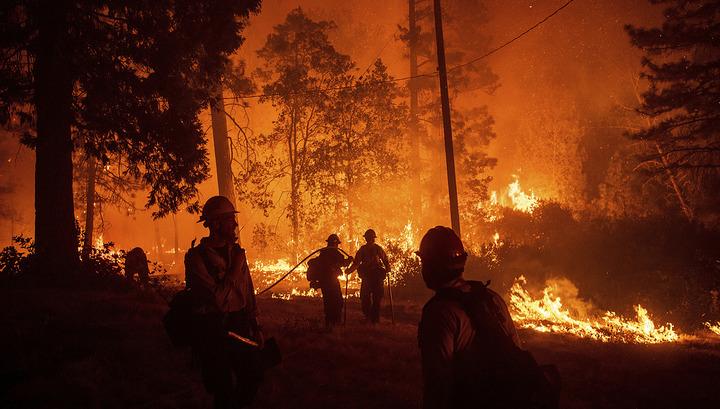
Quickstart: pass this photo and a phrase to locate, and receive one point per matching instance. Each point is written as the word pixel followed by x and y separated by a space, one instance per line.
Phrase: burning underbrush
pixel 651 275
pixel 560 310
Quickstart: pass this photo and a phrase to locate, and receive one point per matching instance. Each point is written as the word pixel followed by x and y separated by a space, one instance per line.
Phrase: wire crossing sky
pixel 428 75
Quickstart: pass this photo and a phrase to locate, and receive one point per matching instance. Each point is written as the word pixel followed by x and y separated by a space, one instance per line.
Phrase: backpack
pixel 178 321
pixel 493 371
pixel 314 272
pixel 372 266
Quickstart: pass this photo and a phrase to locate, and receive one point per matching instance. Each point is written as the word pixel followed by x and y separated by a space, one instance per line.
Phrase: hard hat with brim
pixel 441 245
pixel 215 207
pixel 333 238
pixel 370 233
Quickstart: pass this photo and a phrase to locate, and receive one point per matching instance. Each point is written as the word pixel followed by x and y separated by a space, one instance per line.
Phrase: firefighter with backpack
pixel 323 272
pixel 222 299
pixel 373 266
pixel 470 350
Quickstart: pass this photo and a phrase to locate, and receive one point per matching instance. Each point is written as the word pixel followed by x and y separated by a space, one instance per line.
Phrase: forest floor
pixel 101 349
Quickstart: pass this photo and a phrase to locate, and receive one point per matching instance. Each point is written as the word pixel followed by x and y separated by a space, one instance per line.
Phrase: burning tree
pixel 682 65
pixel 133 78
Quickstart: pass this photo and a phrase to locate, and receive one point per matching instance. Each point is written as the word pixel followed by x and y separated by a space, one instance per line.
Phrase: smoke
pixel 575 70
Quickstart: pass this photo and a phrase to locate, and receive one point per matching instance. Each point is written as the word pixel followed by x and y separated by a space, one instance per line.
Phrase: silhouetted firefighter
pixel 468 343
pixel 136 263
pixel 323 272
pixel 372 265
pixel 227 334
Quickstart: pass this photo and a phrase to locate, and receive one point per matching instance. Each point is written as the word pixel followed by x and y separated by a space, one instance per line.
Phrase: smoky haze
pixel 563 93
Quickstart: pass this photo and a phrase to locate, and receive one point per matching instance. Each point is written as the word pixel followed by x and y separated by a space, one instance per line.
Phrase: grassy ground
pixel 89 349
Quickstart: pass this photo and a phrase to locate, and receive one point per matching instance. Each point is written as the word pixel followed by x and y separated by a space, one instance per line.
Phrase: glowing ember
pixel 715 328
pixel 548 314
pixel 521 200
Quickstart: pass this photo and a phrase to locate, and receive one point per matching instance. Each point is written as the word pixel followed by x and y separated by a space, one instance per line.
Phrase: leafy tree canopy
pixel 140 73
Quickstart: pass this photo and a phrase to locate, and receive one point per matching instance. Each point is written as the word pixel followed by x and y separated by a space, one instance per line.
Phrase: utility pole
pixel 447 128
pixel 413 88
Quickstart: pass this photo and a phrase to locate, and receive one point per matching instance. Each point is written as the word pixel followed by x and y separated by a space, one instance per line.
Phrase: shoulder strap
pixel 480 307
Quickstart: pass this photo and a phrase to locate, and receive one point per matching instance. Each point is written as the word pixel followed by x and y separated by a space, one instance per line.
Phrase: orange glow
pixel 714 328
pixel 549 314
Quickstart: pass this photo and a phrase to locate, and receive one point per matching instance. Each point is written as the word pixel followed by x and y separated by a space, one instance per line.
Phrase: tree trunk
pixel 223 162
pixel 294 186
pixel 177 261
pixel 686 209
pixel 55 232
pixel 295 215
pixel 158 241
pixel 89 209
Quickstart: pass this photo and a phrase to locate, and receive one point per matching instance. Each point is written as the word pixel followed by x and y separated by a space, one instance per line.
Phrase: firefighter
pixel 372 265
pixel 330 262
pixel 136 263
pixel 458 341
pixel 218 277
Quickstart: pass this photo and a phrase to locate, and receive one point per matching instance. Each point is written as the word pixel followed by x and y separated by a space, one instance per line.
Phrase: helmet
pixel 442 254
pixel 333 239
pixel 370 233
pixel 216 206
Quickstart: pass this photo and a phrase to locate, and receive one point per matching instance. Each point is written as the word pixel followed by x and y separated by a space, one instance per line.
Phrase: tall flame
pixel 521 200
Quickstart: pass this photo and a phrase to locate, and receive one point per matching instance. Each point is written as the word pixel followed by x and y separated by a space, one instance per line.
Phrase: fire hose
pixel 298 265
pixel 278 281
pixel 289 272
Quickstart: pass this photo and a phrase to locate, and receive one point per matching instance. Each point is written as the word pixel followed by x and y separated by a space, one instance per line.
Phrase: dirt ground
pixel 108 350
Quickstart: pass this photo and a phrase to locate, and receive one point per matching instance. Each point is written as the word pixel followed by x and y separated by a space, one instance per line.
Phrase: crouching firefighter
pixel 470 351
pixel 226 336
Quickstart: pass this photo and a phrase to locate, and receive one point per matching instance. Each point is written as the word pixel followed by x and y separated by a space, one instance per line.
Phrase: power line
pixel 392 35
pixel 426 75
pixel 507 43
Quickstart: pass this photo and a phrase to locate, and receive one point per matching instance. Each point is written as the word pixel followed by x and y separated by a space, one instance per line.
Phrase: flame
pixel 408 237
pixel 714 328
pixel 265 273
pixel 521 201
pixel 99 242
pixel 548 314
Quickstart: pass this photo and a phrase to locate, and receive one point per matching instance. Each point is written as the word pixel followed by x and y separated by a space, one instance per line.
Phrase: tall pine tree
pixel 682 65
pixel 133 75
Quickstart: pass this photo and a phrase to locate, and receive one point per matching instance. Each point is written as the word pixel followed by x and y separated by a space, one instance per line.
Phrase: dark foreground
pixel 107 350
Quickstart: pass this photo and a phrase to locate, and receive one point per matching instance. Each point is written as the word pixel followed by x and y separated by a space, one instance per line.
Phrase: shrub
pixel 15 259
